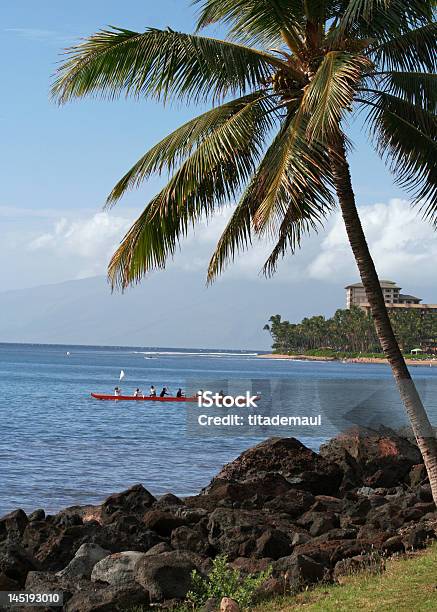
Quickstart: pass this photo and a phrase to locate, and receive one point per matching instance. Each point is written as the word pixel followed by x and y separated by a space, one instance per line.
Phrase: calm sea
pixel 59 447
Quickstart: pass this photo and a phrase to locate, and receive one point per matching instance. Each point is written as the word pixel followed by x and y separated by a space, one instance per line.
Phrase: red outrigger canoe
pixel 142 398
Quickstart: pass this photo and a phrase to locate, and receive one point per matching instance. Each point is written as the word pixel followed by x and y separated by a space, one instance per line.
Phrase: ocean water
pixel 59 447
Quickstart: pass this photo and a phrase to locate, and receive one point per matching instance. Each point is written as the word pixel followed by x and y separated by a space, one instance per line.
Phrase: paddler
pixel 117 391
pixel 152 391
pixel 137 392
pixel 180 393
pixel 164 392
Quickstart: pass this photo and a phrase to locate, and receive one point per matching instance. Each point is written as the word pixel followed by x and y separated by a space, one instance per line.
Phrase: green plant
pixel 351 333
pixel 223 581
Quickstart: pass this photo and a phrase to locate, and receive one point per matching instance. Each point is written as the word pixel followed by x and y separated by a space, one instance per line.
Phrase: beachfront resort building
pixel 356 296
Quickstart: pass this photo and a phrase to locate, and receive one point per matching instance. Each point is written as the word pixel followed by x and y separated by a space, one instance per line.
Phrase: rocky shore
pixel 310 516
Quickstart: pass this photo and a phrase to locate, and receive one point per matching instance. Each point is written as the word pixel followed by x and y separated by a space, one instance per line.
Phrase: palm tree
pixel 281 87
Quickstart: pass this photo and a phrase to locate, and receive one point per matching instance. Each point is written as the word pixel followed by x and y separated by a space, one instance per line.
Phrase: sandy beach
pixel 410 362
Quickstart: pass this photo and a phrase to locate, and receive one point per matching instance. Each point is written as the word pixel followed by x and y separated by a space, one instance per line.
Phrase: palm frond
pixel 235 238
pixel 317 11
pixel 162 64
pixel 360 10
pixel 238 233
pixel 381 18
pixel 418 88
pixel 406 137
pixel 212 176
pixel 296 224
pixel 266 23
pixel 292 181
pixel 331 92
pixel 301 177
pixel 209 129
pixel 413 50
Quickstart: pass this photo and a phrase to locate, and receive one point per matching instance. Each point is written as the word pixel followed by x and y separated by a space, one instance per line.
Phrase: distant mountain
pixel 171 308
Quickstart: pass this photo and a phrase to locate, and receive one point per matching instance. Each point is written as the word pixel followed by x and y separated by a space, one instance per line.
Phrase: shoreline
pixel 307 518
pixel 374 360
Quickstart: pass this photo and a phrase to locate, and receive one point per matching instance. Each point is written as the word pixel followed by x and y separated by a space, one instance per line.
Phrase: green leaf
pixel 160 64
pixel 419 88
pixel 406 137
pixel 292 182
pixel 210 177
pixel 208 129
pixel 331 92
pixel 381 18
pixel 297 222
pixel 316 11
pixel 265 22
pixel 413 50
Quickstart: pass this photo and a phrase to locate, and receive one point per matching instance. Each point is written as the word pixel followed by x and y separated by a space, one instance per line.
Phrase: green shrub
pixel 222 581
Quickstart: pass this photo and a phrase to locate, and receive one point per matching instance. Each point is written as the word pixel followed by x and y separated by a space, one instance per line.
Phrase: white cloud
pixel 403 245
pixel 91 241
pixel 49 247
pixel 198 247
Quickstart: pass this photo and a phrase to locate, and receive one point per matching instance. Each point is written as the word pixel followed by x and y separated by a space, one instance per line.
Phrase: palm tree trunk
pixel 415 410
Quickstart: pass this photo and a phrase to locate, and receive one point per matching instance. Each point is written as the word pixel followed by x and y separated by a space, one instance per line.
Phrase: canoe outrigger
pixel 142 398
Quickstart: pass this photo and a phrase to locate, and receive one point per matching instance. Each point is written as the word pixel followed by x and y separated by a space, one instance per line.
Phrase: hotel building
pixel 394 299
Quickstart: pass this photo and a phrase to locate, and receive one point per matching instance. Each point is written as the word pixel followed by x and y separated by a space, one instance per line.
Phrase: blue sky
pixel 71 156
pixel 58 164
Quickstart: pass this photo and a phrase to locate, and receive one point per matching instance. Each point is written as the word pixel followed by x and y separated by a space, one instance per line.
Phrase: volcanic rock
pixel 168 500
pixel 191 538
pixel 251 566
pixel 297 464
pixel 322 523
pixel 294 502
pixel 117 570
pixel 12 525
pixel 301 537
pixel 46 582
pixel 37 515
pixel 417 537
pixel 54 547
pixel 99 598
pixel 235 532
pixel 162 522
pixel 168 575
pixel 126 532
pixel 393 545
pixel 382 459
pixel 299 570
pixel 15 562
pixel 84 560
pixel 136 500
pixel 7 584
pixel 162 547
pixel 274 544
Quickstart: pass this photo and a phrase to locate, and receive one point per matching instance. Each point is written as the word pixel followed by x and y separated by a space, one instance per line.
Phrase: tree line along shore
pixel 350 335
pixel 422 361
